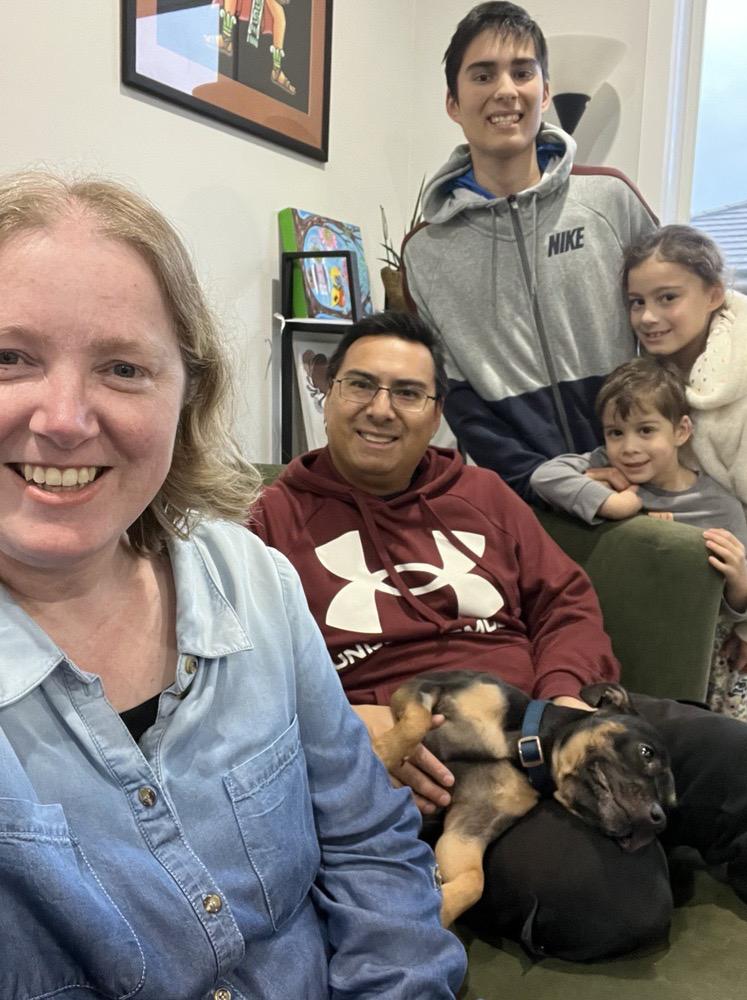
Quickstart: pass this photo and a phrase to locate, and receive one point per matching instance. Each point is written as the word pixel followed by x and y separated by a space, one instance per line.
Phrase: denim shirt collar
pixel 206 625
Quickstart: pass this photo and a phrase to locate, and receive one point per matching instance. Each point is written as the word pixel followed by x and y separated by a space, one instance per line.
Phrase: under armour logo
pixel 353 609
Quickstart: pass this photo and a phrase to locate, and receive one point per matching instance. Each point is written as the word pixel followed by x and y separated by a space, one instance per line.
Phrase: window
pixel 719 192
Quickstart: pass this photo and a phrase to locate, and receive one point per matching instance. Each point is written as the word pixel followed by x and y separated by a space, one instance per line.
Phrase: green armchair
pixel 660 601
pixel 659 597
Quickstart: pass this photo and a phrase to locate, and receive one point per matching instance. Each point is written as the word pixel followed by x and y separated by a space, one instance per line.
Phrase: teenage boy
pixel 413 561
pixel 518 264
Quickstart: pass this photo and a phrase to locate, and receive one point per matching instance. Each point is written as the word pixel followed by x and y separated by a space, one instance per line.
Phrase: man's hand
pixel 727 556
pixel 734 650
pixel 609 475
pixel 422 771
pixel 568 702
pixel 620 505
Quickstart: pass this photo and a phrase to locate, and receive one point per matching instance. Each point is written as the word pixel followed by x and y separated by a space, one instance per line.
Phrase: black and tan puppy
pixel 609 767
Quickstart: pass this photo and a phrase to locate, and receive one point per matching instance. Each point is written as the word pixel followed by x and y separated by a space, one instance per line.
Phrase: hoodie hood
pixel 315 473
pixel 385 517
pixel 443 201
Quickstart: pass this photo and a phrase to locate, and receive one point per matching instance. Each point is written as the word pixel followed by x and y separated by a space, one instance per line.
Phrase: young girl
pixel 681 310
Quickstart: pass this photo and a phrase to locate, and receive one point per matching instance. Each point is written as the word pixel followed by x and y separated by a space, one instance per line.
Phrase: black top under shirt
pixel 141 717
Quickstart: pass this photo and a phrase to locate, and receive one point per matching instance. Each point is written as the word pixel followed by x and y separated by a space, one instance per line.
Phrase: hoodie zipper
pixel 539 325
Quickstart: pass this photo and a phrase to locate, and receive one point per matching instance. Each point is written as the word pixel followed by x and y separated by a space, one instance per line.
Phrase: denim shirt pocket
pixel 272 805
pixel 60 931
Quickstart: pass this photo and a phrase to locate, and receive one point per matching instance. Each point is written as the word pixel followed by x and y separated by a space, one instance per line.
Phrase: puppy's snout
pixel 657 817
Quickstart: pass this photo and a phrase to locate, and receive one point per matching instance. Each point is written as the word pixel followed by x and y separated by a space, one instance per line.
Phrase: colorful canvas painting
pixel 321 285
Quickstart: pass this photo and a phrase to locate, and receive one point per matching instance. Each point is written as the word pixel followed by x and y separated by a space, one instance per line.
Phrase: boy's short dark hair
pixel 644 381
pixel 391 323
pixel 505 19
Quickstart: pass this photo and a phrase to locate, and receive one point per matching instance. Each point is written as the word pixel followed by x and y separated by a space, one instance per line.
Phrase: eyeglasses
pixel 356 389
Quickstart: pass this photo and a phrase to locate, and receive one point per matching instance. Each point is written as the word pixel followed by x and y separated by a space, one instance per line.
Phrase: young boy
pixel 518 267
pixel 644 414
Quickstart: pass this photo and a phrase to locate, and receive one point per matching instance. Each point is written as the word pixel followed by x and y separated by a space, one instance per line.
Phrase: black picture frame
pixel 295 408
pixel 219 59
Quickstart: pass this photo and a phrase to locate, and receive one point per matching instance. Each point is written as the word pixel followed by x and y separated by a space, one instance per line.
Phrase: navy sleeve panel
pixel 512 437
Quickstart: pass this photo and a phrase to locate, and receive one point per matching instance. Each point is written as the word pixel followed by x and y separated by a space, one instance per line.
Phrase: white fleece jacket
pixel 717 393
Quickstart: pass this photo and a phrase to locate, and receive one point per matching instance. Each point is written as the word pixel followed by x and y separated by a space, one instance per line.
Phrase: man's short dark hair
pixel 642 382
pixel 507 20
pixel 404 325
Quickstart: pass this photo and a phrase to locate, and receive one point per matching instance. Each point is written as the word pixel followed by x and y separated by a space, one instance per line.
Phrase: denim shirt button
pixel 190 665
pixel 147 796
pixel 212 903
pixel 222 994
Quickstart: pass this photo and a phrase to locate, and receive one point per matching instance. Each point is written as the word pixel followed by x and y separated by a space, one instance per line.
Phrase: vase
pixel 394 295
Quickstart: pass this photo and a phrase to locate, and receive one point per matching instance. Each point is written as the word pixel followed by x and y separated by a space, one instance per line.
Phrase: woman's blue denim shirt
pixel 249 847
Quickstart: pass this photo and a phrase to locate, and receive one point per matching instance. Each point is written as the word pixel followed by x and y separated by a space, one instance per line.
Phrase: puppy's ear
pixel 609 696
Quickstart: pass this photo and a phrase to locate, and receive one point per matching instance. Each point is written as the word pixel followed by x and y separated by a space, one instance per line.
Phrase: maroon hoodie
pixel 455 572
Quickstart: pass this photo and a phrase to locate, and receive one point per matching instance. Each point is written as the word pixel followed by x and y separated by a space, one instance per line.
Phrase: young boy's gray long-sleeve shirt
pixel 561 483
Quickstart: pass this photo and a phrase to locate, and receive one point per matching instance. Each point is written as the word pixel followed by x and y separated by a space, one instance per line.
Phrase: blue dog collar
pixel 531 756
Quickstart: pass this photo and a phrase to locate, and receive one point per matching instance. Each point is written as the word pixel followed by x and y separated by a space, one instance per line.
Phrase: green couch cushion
pixel 705 960
pixel 659 597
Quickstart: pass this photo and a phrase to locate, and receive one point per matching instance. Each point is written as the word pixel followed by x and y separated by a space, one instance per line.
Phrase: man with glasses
pixel 402 549
pixel 412 561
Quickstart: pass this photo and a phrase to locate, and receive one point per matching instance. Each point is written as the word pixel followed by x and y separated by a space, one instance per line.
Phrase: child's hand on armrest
pixel 728 557
pixel 610 475
pixel 620 505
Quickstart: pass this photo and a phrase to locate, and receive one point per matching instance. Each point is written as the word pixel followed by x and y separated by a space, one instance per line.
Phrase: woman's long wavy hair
pixel 208 476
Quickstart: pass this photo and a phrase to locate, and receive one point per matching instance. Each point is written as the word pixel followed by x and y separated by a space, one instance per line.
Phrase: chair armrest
pixel 659 597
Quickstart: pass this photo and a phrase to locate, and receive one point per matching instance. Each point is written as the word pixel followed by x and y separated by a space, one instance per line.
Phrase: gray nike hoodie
pixel 525 293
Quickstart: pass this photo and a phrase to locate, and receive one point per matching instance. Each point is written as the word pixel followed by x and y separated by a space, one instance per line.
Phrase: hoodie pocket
pixel 60 931
pixel 272 804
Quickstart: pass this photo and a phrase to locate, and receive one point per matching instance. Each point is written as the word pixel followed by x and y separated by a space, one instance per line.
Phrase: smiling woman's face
pixel 91 387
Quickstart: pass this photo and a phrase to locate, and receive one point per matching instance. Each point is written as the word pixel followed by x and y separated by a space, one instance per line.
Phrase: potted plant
pixel 391 273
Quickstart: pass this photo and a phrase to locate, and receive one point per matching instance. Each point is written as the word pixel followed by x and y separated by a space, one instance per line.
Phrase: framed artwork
pixel 262 66
pixel 311 352
pixel 321 284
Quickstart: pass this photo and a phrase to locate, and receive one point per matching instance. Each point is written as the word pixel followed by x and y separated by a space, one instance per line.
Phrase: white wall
pixel 64 107
pixel 656 83
pixel 435 134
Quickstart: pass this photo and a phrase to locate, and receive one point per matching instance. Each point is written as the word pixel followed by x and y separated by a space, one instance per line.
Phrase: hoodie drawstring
pixel 430 514
pixel 408 597
pixel 533 255
pixel 494 264
pixel 528 269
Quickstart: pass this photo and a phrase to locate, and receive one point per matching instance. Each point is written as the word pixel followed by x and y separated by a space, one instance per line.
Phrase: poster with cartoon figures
pixel 321 287
pixel 261 65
